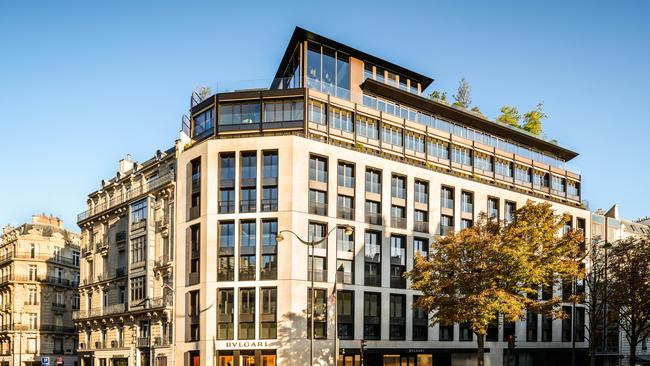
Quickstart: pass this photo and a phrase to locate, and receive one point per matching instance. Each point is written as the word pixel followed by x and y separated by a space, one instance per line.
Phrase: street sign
pixel 59 360
pixel 45 361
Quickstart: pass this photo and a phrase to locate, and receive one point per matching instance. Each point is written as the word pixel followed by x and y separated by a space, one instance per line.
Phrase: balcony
pixel 320 275
pixel 398 222
pixel 162 261
pixel 226 275
pixel 421 226
pixel 226 207
pixel 372 280
pixel 373 218
pixel 268 274
pixel 120 237
pixel 269 205
pixel 318 208
pixel 397 282
pixel 139 225
pixel 346 278
pixel 345 213
pixel 58 306
pixel 101 246
pixel 248 206
pixel 446 230
pixel 130 194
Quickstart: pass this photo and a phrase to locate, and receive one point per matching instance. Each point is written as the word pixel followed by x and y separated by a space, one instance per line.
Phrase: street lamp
pixel 311 244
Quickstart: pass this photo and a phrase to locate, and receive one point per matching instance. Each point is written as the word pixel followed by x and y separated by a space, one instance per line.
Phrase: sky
pixel 84 83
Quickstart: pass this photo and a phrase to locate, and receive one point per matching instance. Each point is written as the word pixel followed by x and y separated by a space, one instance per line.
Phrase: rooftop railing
pixel 130 194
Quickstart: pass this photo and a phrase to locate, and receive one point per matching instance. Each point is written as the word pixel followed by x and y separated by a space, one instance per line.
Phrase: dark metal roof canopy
pixel 466 118
pixel 300 34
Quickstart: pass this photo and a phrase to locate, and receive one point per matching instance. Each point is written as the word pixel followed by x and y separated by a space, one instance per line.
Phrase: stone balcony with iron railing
pixel 52 280
pixel 129 195
pixel 58 259
pixel 150 303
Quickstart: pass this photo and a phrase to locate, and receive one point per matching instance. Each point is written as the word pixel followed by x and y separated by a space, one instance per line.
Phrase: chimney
pixel 49 220
pixel 126 164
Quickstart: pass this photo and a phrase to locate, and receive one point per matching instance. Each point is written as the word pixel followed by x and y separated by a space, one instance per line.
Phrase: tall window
pixel 138 252
pixel 203 124
pixel 420 323
pixel 193 313
pixel 247 244
pixel 268 310
pixel 137 288
pixel 467 202
pixel 225 312
pixel 345 316
pixel 531 326
pixel 367 127
pixel 341 119
pixel 247 313
pixel 438 149
pixel 511 208
pixel 392 135
pixel 344 243
pixel 317 202
pixel 248 181
pixel 421 191
pixel 493 208
pixel 447 198
pixel 269 250
pixel 504 168
pixel 195 251
pixel 345 207
pixel 195 199
pixel 421 247
pixel 138 212
pixel 397 261
pixel 283 111
pixel 461 155
pixel 269 181
pixel 371 315
pixel 317 112
pixel 372 255
pixel 227 183
pixel 397 317
pixel 226 251
pixel 319 298
pixel 345 175
pixel 398 187
pixel 239 113
pixel 328 71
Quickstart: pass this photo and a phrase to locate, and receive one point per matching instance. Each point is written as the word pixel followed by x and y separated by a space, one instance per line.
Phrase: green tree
pixel 438 96
pixel 509 115
pixel 462 97
pixel 532 121
pixel 490 269
pixel 477 110
pixel 629 287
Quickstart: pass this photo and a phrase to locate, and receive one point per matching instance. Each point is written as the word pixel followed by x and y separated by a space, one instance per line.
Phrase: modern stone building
pixel 127 266
pixel 607 226
pixel 39 274
pixel 342 140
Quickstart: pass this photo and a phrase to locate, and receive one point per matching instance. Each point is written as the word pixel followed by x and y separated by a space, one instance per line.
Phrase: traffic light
pixel 512 342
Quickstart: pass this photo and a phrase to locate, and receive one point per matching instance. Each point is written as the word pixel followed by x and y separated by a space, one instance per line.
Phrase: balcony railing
pixel 421 226
pixel 320 275
pixel 130 194
pixel 397 282
pixel 248 206
pixel 226 207
pixel 372 280
pixel 398 222
pixel 142 342
pixel 58 305
pixel 269 205
pixel 446 230
pixel 346 213
pixel 162 261
pixel 373 218
pixel 318 208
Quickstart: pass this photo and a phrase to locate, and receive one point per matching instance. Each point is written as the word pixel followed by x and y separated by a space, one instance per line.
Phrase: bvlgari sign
pixel 245 345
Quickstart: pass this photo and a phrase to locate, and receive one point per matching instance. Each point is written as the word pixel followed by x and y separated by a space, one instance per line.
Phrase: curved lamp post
pixel 311 244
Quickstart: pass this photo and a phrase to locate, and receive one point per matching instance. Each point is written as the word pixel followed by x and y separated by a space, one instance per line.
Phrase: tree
pixel 533 120
pixel 438 95
pixel 629 287
pixel 510 115
pixel 477 110
pixel 593 298
pixel 462 97
pixel 491 268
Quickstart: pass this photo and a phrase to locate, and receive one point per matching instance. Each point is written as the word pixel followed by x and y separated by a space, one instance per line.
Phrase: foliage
pixel 629 287
pixel 462 97
pixel 532 121
pixel 593 297
pixel 204 92
pixel 476 110
pixel 509 115
pixel 491 268
pixel 438 95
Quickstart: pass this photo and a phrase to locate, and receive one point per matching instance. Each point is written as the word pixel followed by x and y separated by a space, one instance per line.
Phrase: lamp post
pixel 310 245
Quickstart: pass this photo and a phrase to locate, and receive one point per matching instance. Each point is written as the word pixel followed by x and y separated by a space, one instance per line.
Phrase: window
pixel 317 231
pixel 269 181
pixel 137 288
pixel 268 310
pixel 193 314
pixel 248 181
pixel 547 329
pixel 247 313
pixel 75 258
pixel 415 143
pixel 397 317
pixel 421 221
pixel 320 269
pixel 32 298
pixel 392 135
pixel 269 249
pixel 373 181
pixel 445 332
pixel 466 223
pixel 397 261
pixel 345 208
pixel 225 312
pixel 438 149
pixel 345 271
pixel 227 183
pixel 226 251
pixel 493 208
pixel 139 212
pixel 522 174
pixel 317 202
pixel 345 316
pixel 484 162
pixel 247 244
pixel 372 255
pixel 398 217
pixel 195 199
pixel 446 224
pixel 283 110
pixel 531 326
pixel 317 112
pixel 511 208
pixel 461 155
pixel 345 175
pixel 138 249
pixel 341 119
pixel 465 333
pixel 367 127
pixel 467 202
pixel 239 113
pixel 319 297
pixel 421 247
pixel 398 187
pixel 344 243
pixel 447 198
pixel 318 168
pixel 195 250
pixel 421 191
pixel 558 185
pixel 371 315
pixel 540 180
pixel 58 345
pixel 566 324
pixel 203 124
pixel 328 71
pixel 504 168
pixel 579 331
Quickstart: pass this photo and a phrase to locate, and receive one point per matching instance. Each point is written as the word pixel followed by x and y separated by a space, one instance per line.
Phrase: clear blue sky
pixel 83 83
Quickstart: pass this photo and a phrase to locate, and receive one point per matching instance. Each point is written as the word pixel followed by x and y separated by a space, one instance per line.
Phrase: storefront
pixel 246 353
pixel 399 356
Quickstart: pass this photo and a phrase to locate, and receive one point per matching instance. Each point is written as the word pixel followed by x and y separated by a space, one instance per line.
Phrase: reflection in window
pixel 280 111
pixel 239 113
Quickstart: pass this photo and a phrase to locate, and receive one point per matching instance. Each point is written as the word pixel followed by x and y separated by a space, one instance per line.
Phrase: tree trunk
pixel 633 343
pixel 480 345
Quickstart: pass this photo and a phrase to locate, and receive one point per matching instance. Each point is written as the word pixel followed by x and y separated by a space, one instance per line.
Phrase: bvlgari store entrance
pixel 247 358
